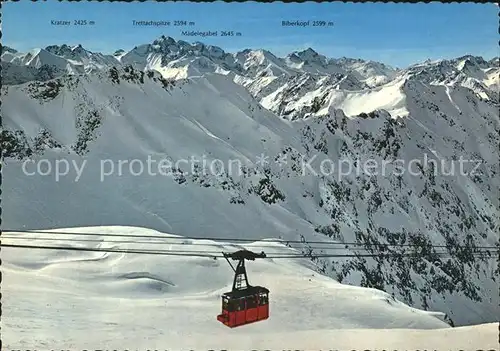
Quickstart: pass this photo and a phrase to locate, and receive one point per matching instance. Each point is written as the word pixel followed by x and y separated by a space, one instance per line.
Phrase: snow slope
pixel 122 114
pixel 146 301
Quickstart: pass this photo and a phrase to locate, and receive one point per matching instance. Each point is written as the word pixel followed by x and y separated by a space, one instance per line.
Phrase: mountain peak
pixel 57 49
pixel 308 55
pixel 307 51
pixel 164 40
pixel 8 49
pixel 79 49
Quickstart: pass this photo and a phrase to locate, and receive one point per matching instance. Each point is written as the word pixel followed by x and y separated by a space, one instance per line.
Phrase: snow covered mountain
pixel 146 301
pixel 171 100
pixel 293 87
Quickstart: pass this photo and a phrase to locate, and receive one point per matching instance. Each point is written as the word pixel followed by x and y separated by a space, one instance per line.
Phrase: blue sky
pixel 397 34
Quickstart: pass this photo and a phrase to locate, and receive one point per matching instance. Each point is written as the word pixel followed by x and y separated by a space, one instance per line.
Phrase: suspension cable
pixel 181 238
pixel 220 255
pixel 338 248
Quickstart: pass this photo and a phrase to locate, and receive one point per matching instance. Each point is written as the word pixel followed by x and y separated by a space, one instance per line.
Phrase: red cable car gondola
pixel 245 303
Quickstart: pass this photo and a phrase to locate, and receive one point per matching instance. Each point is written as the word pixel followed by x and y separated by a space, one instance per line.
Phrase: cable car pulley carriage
pixel 245 303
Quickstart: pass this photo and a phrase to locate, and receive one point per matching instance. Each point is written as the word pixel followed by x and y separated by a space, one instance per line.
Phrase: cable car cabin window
pixel 264 299
pixel 225 303
pixel 252 301
pixel 231 305
pixel 239 304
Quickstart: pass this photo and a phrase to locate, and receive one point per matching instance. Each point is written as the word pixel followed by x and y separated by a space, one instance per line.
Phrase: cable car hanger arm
pixel 244 255
pixel 226 257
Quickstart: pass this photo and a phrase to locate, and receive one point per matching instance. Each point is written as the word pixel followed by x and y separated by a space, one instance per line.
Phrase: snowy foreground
pixel 76 299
